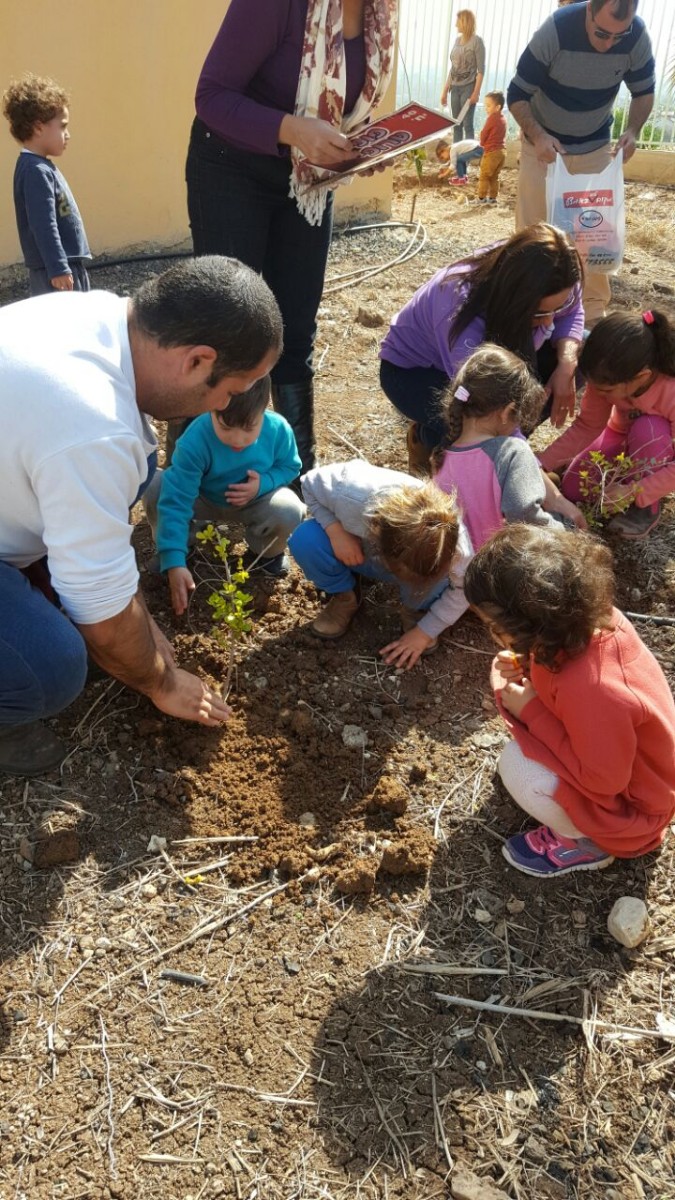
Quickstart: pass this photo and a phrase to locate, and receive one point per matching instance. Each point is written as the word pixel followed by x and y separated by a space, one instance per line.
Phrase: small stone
pixel 218 1186
pixel 50 849
pixel 261 683
pixel 19 1015
pixel 354 737
pixel 103 943
pixel 60 1045
pixel 481 1065
pixel 148 891
pixel 464 1185
pixel 156 844
pixel 370 318
pixel 307 820
pixel 291 965
pixel 514 905
pixel 253 1135
pixel 248 1058
pixel 86 943
pixel 117 902
pixel 628 921
pixel 482 916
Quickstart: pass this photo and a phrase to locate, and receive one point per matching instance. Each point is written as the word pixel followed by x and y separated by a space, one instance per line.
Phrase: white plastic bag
pixel 591 209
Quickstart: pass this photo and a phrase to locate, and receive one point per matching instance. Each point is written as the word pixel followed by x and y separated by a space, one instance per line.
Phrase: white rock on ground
pixel 354 737
pixel 628 921
pixel 464 1185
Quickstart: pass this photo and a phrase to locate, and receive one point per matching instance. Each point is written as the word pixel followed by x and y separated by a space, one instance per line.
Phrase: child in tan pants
pixel 493 141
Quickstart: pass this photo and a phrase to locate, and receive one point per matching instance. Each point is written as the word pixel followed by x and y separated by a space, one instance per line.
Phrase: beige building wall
pixel 131 68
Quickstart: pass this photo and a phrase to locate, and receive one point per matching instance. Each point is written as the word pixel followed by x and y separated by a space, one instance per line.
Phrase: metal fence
pixel 427 31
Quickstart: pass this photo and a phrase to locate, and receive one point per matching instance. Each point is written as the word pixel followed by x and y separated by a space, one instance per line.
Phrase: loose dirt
pixel 319 1060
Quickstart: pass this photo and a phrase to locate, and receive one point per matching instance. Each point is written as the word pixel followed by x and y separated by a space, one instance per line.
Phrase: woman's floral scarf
pixel 321 87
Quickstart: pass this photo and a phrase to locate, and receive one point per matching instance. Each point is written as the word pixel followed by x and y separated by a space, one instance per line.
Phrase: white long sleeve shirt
pixel 340 492
pixel 74 447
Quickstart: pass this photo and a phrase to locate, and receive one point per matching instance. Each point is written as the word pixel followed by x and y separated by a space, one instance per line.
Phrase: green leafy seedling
pixel 596 480
pixel 230 604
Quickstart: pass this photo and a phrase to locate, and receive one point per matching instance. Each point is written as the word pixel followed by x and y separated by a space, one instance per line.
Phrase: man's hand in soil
pixel 240 494
pixel 346 546
pixel 406 650
pixel 186 696
pixel 181 586
pixel 131 648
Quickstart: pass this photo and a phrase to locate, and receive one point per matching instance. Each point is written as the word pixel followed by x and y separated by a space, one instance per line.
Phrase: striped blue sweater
pixel 571 87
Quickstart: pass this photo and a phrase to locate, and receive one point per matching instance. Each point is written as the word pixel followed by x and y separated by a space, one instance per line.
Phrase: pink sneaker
pixel 458 180
pixel 543 852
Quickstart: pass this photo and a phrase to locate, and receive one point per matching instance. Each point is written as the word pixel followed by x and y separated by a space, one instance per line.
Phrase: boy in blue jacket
pixel 229 466
pixel 51 233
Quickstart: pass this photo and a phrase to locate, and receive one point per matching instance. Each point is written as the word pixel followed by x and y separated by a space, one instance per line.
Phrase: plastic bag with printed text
pixel 591 209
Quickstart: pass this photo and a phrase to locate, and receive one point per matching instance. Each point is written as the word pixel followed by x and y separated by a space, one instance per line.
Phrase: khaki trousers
pixel 531 207
pixel 488 179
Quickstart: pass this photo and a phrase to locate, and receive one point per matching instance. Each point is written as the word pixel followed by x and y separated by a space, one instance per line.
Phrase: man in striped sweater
pixel 562 95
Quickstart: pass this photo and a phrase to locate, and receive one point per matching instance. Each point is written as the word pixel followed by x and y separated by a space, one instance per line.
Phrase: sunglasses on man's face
pixel 603 35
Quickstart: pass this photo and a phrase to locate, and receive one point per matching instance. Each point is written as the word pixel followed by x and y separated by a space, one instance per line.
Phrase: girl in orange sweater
pixel 589 709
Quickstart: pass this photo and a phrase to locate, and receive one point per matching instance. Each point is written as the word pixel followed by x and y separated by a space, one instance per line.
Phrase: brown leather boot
pixel 419 456
pixel 334 620
pixel 410 617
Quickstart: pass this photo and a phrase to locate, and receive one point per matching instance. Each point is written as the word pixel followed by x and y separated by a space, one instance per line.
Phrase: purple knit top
pixel 418 335
pixel 250 78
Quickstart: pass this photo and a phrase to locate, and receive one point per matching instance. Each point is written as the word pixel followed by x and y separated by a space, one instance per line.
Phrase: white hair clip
pixel 462 395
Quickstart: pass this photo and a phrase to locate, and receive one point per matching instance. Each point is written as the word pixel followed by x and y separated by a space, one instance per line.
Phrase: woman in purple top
pixel 524 294
pixel 283 83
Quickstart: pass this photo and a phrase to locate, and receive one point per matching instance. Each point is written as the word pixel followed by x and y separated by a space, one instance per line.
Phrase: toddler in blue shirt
pixel 229 466
pixel 51 233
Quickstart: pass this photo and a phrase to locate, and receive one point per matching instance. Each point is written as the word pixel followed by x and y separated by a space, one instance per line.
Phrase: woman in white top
pixel 467 68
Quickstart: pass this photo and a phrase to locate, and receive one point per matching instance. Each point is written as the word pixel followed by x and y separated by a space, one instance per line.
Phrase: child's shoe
pixel 276 567
pixel 458 180
pixel 636 522
pixel 334 620
pixel 542 852
pixel 410 617
pixel 419 455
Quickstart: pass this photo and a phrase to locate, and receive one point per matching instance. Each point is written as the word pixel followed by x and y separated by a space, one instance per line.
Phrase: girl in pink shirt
pixel 628 408
pixel 588 707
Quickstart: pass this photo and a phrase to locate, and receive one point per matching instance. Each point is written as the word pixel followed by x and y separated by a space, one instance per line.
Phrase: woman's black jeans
pixel 416 393
pixel 239 205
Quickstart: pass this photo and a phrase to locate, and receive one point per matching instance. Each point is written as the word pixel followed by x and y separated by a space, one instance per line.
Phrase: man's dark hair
pixel 621 9
pixel 211 301
pixel 245 408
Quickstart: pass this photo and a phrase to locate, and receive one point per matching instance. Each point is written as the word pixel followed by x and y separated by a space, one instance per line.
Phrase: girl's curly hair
pixel 30 101
pixel 413 530
pixel 548 590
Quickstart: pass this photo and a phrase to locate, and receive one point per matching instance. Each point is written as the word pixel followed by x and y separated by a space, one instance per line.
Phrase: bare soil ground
pixel 317 1060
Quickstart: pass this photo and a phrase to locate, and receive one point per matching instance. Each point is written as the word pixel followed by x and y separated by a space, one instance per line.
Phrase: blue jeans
pixel 415 393
pixel 238 204
pixel 43 658
pixel 463 160
pixel 458 98
pixel 310 546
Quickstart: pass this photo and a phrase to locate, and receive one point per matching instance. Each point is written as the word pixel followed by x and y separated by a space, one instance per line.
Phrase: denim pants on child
pixel 312 550
pixel 43 658
pixel 268 520
pixel 464 159
pixel 648 441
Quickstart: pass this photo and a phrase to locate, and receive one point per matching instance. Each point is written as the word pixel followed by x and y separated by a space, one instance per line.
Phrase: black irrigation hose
pixel 127 259
pixel 100 264
pixel 647 617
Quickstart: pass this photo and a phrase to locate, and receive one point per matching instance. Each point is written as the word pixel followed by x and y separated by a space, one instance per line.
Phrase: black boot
pixel 295 402
pixel 30 749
